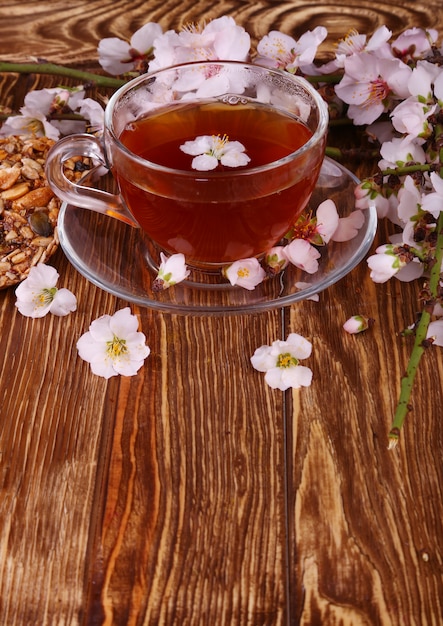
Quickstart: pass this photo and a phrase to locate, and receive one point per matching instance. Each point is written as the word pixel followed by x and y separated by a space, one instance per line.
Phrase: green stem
pixel 350 153
pixel 407 169
pixel 60 70
pixel 403 406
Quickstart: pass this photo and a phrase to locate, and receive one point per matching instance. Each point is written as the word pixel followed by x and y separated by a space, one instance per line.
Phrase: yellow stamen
pixel 116 347
pixel 286 360
pixel 243 272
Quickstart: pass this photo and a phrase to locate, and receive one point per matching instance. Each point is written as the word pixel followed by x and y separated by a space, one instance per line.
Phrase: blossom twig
pixel 420 344
pixel 61 70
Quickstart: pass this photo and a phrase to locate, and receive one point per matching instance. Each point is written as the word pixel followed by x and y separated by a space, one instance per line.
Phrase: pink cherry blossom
pixel 355 43
pixel 414 43
pixel 301 254
pixel 370 83
pixel 221 38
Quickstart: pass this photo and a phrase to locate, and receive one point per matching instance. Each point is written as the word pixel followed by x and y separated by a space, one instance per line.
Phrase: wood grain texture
pixel 192 494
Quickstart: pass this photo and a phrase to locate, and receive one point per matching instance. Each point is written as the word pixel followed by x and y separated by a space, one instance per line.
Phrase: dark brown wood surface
pixel 192 494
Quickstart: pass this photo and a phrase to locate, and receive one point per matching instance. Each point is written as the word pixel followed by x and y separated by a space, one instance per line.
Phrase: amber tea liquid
pixel 228 213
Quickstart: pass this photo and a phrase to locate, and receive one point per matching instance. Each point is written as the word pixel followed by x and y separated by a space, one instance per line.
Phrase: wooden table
pixel 192 493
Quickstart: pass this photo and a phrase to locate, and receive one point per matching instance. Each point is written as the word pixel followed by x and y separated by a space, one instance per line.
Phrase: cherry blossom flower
pixel 118 57
pixel 411 117
pixel 401 150
pixel 283 52
pixel 370 83
pixel 209 150
pixel 220 39
pixel 38 295
pixel 355 43
pixel 113 345
pixel 357 324
pixel 275 260
pixel 172 270
pixel 246 273
pixel 301 254
pixel 414 43
pixel 281 362
pixel 40 106
pixel 387 261
pixel 422 78
pixel 433 202
pixel 55 99
pixel 29 122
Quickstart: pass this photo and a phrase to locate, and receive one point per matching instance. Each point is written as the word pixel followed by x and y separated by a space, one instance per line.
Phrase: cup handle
pixel 75 193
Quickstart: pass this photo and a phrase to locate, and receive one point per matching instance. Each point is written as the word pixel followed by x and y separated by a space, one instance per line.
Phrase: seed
pixel 40 223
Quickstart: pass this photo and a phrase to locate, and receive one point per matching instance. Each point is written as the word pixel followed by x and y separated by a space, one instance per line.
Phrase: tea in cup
pixel 214 159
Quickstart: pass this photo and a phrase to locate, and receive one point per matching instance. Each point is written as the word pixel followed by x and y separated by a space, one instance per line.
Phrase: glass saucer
pixel 123 261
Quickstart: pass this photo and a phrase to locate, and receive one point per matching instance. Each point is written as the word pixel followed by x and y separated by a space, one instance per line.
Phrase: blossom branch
pixel 420 344
pixel 60 70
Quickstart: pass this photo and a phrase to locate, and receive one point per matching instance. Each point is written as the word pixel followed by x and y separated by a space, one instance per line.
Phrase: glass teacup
pixel 212 159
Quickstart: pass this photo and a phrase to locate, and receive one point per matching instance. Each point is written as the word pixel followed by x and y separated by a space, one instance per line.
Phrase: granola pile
pixel 28 207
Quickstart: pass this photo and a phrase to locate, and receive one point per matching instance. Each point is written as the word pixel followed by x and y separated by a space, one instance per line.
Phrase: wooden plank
pixel 194 518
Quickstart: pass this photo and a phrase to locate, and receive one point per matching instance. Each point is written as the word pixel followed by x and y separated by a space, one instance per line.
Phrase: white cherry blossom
pixel 283 52
pixel 118 57
pixel 411 117
pixel 172 270
pixel 29 122
pixel 433 202
pixel 281 362
pixel 246 273
pixel 386 262
pixel 113 345
pixel 38 295
pixel 209 150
